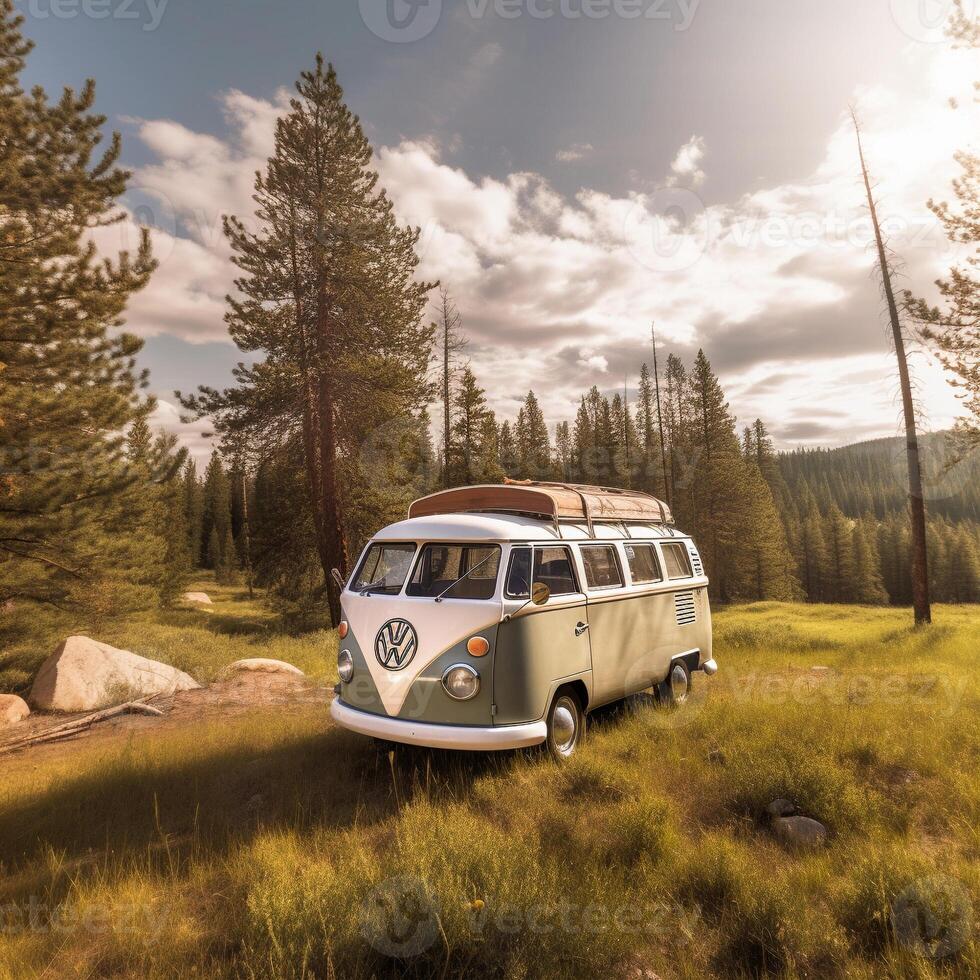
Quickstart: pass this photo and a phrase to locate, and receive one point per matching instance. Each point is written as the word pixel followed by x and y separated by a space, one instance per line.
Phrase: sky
pixel 579 169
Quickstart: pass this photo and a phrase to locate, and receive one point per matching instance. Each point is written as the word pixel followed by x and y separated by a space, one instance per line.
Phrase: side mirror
pixel 339 580
pixel 540 593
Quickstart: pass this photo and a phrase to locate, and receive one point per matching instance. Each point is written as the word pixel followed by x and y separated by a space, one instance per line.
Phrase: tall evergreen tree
pixel 69 384
pixel 192 498
pixel 953 327
pixel 839 538
pixel 216 513
pixel 328 293
pixel 471 411
pixel 533 445
pixel 507 450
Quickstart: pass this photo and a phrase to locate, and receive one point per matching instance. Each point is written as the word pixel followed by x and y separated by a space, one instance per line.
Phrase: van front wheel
pixel 566 723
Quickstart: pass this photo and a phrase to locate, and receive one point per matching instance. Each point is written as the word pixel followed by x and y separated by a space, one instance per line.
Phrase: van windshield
pixel 440 565
pixel 384 568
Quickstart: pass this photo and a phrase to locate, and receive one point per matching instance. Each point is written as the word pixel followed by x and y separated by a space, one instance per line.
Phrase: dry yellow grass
pixel 279 846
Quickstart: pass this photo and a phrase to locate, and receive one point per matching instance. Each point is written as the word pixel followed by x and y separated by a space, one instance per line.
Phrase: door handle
pixel 580 628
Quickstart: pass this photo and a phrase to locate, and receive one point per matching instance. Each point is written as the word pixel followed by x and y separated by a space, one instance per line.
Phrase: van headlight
pixel 345 666
pixel 461 682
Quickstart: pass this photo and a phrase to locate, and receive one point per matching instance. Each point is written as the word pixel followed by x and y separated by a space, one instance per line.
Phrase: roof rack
pixel 553 501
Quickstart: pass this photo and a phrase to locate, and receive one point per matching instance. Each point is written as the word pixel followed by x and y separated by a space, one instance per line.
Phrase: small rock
pixel 718 757
pixel 264 666
pixel 83 674
pixel 202 597
pixel 781 808
pixel 801 833
pixel 12 710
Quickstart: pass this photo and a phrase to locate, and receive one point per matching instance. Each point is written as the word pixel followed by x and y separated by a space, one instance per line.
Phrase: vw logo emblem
pixel 395 644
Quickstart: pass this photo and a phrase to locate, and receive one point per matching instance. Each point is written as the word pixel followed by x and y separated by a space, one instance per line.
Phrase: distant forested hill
pixel 870 477
pixel 847 522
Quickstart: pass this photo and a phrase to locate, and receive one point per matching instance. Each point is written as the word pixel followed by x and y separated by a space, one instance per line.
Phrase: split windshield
pixel 384 569
pixel 440 565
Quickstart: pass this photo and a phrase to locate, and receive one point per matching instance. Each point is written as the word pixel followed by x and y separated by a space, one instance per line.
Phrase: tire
pixel 566 725
pixel 674 690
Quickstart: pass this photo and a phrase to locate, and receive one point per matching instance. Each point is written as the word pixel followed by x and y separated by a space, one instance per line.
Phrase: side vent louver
pixel 696 560
pixel 684 608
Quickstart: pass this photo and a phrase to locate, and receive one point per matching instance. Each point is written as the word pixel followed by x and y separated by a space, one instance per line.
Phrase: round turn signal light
pixel 477 646
pixel 343 629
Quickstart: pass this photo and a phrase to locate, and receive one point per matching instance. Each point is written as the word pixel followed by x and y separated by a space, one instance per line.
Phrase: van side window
pixel 677 560
pixel 519 574
pixel 644 567
pixel 601 567
pixel 553 567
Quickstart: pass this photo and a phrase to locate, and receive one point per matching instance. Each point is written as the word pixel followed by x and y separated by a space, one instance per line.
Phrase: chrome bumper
pixel 710 667
pixel 463 737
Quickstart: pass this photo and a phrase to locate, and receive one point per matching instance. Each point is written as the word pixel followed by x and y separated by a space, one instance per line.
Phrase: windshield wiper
pixel 464 575
pixel 372 585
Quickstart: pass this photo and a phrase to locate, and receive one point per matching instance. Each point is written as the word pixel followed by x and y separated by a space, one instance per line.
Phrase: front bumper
pixel 464 737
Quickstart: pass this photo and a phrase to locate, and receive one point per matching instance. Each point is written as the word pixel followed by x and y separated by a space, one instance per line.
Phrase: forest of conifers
pixel 328 435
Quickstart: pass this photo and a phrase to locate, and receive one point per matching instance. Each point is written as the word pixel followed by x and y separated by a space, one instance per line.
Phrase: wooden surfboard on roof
pixel 551 501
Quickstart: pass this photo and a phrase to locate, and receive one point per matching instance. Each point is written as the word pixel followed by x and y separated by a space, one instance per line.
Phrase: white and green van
pixel 497 617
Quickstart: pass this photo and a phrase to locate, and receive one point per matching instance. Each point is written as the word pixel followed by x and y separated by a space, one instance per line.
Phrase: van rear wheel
pixel 675 689
pixel 566 724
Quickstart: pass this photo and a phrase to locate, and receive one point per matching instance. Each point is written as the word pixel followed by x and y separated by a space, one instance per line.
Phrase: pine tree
pixel 531 438
pixel 487 464
pixel 69 383
pixel 764 568
pixel 226 569
pixel 839 537
pixel 717 498
pixel 867 586
pixel 563 455
pixel 507 450
pixel 192 505
pixel 471 410
pixel 954 327
pixel 328 293
pixel 216 514
pixel 812 560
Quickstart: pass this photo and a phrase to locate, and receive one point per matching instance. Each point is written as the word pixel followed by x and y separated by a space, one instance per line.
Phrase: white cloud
pixel 574 152
pixel 686 168
pixel 559 293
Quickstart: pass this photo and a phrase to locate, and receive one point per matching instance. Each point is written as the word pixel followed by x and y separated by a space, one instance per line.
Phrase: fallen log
pixel 79 725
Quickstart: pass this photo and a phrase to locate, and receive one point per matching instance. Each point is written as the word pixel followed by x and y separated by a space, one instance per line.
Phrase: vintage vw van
pixel 497 617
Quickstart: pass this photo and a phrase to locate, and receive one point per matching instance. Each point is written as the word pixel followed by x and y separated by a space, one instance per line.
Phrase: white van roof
pixel 514 527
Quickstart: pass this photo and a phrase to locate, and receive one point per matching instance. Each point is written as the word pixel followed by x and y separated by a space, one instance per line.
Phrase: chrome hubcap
pixel 679 683
pixel 564 724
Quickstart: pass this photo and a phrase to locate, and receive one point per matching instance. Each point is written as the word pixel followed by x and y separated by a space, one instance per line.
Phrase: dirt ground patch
pixel 231 696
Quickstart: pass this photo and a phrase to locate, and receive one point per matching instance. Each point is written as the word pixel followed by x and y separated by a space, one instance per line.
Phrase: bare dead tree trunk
pixel 660 414
pixel 917 510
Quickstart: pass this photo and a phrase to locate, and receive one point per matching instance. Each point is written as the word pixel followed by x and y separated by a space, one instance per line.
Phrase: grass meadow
pixel 276 845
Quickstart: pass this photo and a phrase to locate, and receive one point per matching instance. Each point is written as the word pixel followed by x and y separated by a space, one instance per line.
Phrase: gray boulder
pixel 201 597
pixel 781 808
pixel 12 710
pixel 263 665
pixel 83 674
pixel 800 833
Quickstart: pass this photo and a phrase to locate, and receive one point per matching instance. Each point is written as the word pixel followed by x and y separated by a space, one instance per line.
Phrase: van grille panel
pixel 696 560
pixel 684 608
